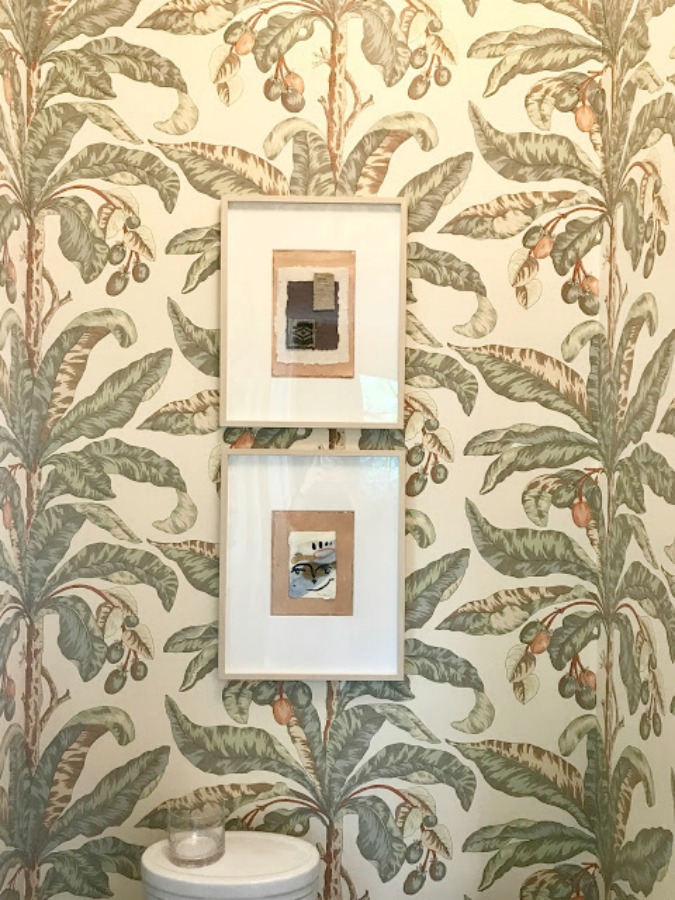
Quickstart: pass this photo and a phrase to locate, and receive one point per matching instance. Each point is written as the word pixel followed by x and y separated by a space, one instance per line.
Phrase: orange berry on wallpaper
pixel 273 88
pixel 540 642
pixel 442 76
pixel 282 710
pixel 589 678
pixel 295 82
pixel 418 87
pixel 292 100
pixel 244 43
pixel 581 513
pixel 543 247
pixel 591 284
pixel 584 117
pixel 419 57
pixel 244 441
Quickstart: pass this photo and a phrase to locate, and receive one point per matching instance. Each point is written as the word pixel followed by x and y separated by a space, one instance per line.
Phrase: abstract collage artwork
pixel 312 563
pixel 313 314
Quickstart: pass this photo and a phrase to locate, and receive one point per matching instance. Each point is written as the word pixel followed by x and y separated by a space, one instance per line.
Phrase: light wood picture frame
pixel 329 515
pixel 313 312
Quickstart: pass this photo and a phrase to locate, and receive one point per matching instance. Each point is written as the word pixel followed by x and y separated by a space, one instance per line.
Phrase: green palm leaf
pixel 525 770
pixel 225 750
pixel 418 765
pixel 120 565
pixel 644 860
pixel 112 800
pixel 523 843
pixel 113 403
pixel 84 871
pixel 529 552
pixel 429 586
pixel 62 762
pixel 119 165
pixel 379 838
pixel 349 738
pixel 49 137
pixel 80 638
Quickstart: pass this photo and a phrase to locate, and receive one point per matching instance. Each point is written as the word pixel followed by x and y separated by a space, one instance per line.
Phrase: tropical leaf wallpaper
pixel 526 753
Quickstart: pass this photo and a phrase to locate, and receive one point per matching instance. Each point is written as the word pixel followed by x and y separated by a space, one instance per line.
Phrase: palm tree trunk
pixel 31 883
pixel 332 881
pixel 33 695
pixel 336 107
pixel 32 701
pixel 34 297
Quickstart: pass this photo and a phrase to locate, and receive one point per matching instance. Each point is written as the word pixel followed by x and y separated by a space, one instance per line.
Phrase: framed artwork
pixel 312 312
pixel 312 565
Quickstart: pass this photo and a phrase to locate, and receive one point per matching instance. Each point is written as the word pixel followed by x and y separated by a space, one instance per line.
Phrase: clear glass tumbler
pixel 196 836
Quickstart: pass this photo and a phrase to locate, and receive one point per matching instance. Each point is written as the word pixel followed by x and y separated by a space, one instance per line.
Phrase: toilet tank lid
pixel 252 859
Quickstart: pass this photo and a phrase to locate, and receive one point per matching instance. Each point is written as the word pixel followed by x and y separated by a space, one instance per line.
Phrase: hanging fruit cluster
pixel 127 255
pixel 582 513
pixel 283 697
pixel 118 219
pixel 427 462
pixel 539 637
pixel 430 444
pixel 431 57
pixel 541 242
pixel 645 215
pixel 240 40
pixel 432 843
pixel 573 489
pixel 130 643
pixel 583 289
pixel 584 499
pixel 571 234
pixel 651 688
pixel 580 683
pixel 567 240
pixel 589 103
pixel 577 93
pixel 287 86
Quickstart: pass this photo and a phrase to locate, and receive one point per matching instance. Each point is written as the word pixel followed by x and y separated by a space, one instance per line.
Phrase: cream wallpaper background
pixel 475 776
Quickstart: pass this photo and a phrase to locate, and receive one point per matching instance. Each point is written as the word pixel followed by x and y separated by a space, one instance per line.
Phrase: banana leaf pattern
pixel 540 588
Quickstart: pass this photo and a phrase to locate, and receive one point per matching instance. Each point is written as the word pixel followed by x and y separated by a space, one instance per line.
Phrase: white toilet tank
pixel 255 866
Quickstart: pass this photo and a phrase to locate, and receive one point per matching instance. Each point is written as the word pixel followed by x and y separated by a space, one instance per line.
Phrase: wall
pixel 524 754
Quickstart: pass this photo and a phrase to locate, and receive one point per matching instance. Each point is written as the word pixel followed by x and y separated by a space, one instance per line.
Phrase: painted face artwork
pixel 312 564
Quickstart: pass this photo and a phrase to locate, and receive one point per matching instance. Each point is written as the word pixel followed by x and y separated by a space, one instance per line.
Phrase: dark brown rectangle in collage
pixel 300 308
